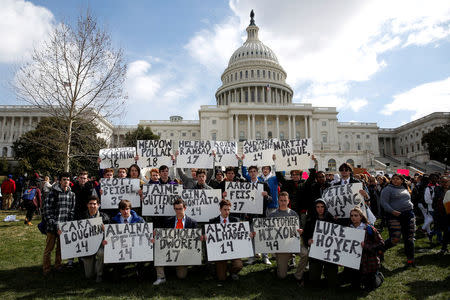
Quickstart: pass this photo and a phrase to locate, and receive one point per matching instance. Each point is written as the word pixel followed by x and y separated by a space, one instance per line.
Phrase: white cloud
pixel 141 85
pixel 22 25
pixel 357 104
pixel 422 100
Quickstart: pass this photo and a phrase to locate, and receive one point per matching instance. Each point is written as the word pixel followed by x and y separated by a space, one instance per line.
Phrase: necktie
pixel 345 181
pixel 125 221
pixel 224 221
pixel 179 224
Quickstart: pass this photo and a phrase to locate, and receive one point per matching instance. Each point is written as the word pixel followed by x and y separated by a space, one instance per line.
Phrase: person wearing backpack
pixel 31 201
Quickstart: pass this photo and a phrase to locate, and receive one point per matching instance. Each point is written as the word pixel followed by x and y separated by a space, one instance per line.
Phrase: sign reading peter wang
pixel 226 152
pixel 258 153
pixel 178 247
pixel 128 242
pixel 245 197
pixel 277 235
pixel 80 238
pixel 195 154
pixel 117 189
pixel 158 199
pixel 202 205
pixel 293 154
pixel 154 153
pixel 117 157
pixel 341 199
pixel 337 244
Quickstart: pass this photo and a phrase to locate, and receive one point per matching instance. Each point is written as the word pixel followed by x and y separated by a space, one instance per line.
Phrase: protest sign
pixel 117 157
pixel 158 199
pixel 80 238
pixel 117 189
pixel 341 199
pixel 228 241
pixel 225 153
pixel 154 153
pixel 178 247
pixel 258 153
pixel 195 154
pixel 277 235
pixel 202 205
pixel 245 197
pixel 337 244
pixel 128 242
pixel 293 154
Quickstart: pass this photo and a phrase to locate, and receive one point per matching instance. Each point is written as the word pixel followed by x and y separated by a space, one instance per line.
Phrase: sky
pixel 375 61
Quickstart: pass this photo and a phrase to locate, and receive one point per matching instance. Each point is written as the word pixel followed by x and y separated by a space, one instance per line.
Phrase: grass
pixel 21 249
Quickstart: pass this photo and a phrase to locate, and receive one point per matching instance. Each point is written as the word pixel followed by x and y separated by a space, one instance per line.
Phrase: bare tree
pixel 76 74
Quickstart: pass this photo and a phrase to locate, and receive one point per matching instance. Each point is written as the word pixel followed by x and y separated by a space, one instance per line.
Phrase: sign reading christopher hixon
pixel 117 189
pixel 178 247
pixel 202 205
pixel 80 238
pixel 158 199
pixel 128 242
pixel 228 241
pixel 225 153
pixel 195 154
pixel 117 157
pixel 154 153
pixel 277 235
pixel 245 197
pixel 258 153
pixel 341 199
pixel 293 154
pixel 337 244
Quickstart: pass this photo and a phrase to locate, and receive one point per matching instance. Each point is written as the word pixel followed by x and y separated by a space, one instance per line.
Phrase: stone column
pixel 230 127
pixel 248 127
pixel 390 144
pixel 306 127
pixel 265 127
pixel 264 94
pixel 11 129
pixel 385 145
pixel 293 127
pixel 20 126
pixel 278 127
pixel 254 127
pixel 242 95
pixel 309 127
pixel 3 128
pixel 289 127
pixel 269 95
pixel 236 127
pixel 235 96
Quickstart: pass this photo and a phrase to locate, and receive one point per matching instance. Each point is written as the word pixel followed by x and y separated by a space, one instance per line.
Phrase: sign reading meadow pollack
pixel 178 247
pixel 158 199
pixel 258 153
pixel 128 242
pixel 293 154
pixel 341 199
pixel 80 238
pixel 277 235
pixel 337 244
pixel 195 154
pixel 202 205
pixel 154 153
pixel 228 241
pixel 117 189
pixel 117 157
pixel 245 197
pixel 226 152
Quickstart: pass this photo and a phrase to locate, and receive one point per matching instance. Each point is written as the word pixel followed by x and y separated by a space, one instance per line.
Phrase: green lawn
pixel 21 249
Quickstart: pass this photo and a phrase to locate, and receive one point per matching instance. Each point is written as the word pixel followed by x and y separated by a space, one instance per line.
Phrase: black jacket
pixel 216 220
pixel 188 222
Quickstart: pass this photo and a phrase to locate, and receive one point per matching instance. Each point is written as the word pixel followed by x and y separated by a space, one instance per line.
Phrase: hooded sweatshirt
pixel 310 225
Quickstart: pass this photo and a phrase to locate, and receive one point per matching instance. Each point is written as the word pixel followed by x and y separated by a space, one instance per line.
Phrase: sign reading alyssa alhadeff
pixel 195 154
pixel 117 157
pixel 258 153
pixel 116 189
pixel 277 235
pixel 154 153
pixel 341 199
pixel 128 242
pixel 80 238
pixel 226 152
pixel 158 199
pixel 245 197
pixel 178 247
pixel 293 154
pixel 337 244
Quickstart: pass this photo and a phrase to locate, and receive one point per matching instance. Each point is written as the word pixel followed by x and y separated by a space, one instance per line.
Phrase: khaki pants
pixel 283 261
pixel 93 265
pixel 222 267
pixel 52 239
pixel 180 270
pixel 7 201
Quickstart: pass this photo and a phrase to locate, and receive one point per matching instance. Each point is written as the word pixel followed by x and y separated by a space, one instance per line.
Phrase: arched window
pixel 258 135
pixel 351 162
pixel 269 134
pixel 246 74
pixel 332 165
pixel 240 75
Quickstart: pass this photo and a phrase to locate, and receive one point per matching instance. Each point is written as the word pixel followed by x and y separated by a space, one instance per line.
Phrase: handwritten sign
pixel 117 189
pixel 293 154
pixel 195 154
pixel 202 205
pixel 277 235
pixel 258 153
pixel 341 199
pixel 158 199
pixel 245 197
pixel 154 153
pixel 228 241
pixel 337 244
pixel 225 153
pixel 178 247
pixel 117 157
pixel 80 238
pixel 128 242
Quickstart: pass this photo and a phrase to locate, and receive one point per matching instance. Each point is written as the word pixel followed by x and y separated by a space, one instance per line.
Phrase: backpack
pixel 29 194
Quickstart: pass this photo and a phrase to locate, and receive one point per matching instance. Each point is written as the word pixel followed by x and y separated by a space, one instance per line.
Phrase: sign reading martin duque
pixel 195 154
pixel 225 153
pixel 117 189
pixel 154 153
pixel 178 247
pixel 245 197
pixel 341 199
pixel 277 235
pixel 80 238
pixel 293 154
pixel 158 199
pixel 117 157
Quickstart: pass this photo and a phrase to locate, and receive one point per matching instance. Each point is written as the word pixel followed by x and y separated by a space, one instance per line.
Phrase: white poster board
pixel 245 197
pixel 293 154
pixel 202 205
pixel 277 235
pixel 80 238
pixel 128 243
pixel 337 244
pixel 195 154
pixel 225 153
pixel 341 199
pixel 158 199
pixel 178 247
pixel 258 153
pixel 154 153
pixel 117 157
pixel 228 241
pixel 117 189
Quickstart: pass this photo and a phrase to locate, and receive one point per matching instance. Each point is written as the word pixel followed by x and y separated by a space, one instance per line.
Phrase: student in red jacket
pixel 8 190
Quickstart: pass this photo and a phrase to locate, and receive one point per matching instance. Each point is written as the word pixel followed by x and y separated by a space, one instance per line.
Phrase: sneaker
pixel 250 261
pixel 266 261
pixel 291 263
pixel 235 277
pixel 29 223
pixel 99 279
pixel 159 281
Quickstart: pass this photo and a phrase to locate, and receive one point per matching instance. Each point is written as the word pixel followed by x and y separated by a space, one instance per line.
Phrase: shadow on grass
pixel 421 261
pixel 425 288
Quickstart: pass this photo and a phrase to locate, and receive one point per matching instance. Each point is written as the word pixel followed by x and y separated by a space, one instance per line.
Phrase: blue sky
pixel 376 61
